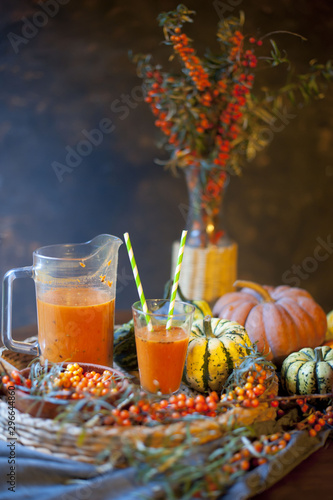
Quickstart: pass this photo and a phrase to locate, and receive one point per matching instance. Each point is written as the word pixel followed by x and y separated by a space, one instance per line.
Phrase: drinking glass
pixel 161 352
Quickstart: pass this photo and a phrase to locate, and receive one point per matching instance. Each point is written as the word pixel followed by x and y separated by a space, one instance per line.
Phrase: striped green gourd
pixel 215 347
pixel 308 371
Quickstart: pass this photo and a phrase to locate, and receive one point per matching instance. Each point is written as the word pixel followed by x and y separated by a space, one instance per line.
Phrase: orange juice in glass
pixel 161 352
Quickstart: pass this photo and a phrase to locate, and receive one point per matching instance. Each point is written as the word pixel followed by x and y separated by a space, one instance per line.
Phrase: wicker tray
pixel 105 446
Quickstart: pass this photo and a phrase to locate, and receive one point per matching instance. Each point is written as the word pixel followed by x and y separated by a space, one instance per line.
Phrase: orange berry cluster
pixel 191 62
pixel 175 407
pixel 76 384
pixel 15 379
pixel 72 383
pixel 249 394
pixel 213 189
pixel 256 454
pixel 250 59
pixel 249 457
pixel 226 124
pixel 316 420
pixel 230 118
pixel 237 41
pixel 154 98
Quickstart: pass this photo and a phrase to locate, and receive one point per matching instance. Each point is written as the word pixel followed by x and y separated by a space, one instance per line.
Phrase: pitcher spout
pixel 104 243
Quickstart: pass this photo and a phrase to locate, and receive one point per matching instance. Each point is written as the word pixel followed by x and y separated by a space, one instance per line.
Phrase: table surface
pixel 312 477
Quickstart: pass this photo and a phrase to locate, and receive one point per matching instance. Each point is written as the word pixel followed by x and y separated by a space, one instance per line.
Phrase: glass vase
pixel 209 266
pixel 204 220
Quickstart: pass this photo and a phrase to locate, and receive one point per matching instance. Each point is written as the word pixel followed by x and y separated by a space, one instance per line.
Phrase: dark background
pixel 65 79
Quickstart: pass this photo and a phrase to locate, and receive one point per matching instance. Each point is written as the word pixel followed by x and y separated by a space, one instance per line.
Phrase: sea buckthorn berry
pixel 312 419
pixel 124 414
pixel 312 433
pixel 236 457
pixel 282 444
pixel 181 397
pixel 245 465
pixel 190 402
pixel 262 460
pixel 255 403
pixel 15 377
pixel 181 404
pixel 259 389
pixel 258 446
pixel 212 405
pixel 199 407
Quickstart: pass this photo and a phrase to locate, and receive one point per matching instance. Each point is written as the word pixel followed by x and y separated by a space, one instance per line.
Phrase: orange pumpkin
pixel 282 320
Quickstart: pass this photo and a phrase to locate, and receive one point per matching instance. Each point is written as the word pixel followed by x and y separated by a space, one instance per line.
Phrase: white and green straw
pixel 176 279
pixel 137 280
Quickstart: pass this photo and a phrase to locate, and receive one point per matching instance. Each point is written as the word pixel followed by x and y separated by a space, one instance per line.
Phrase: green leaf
pixel 275 47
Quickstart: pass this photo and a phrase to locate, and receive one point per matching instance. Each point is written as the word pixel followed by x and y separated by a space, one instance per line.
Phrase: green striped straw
pixel 137 280
pixel 176 279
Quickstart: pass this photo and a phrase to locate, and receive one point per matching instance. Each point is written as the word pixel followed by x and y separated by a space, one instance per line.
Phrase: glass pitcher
pixel 75 293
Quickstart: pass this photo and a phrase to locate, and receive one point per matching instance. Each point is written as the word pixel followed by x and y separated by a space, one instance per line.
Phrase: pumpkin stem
pixel 257 288
pixel 318 355
pixel 207 324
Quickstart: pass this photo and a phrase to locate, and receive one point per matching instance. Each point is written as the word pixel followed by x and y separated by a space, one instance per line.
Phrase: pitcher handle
pixel 7 300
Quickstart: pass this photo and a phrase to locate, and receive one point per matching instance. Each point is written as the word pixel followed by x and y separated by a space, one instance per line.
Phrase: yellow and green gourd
pixel 308 371
pixel 215 347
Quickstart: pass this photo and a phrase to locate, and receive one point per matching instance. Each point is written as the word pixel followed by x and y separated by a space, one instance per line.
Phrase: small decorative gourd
pixel 215 347
pixel 308 371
